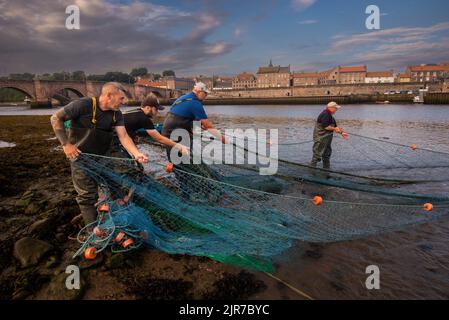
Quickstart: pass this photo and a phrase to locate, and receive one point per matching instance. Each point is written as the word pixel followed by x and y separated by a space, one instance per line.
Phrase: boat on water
pixel 383 102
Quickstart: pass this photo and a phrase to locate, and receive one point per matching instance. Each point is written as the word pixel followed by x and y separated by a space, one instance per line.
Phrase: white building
pixel 379 77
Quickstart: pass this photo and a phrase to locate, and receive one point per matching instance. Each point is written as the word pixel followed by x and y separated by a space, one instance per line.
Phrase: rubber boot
pixel 89 214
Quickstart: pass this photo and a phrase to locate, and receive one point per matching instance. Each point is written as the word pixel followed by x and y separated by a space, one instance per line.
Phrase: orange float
pixel 127 243
pixel 428 207
pixel 317 200
pixel 90 253
pixel 103 207
pixel 169 167
pixel 120 236
pixel 413 147
pixel 99 232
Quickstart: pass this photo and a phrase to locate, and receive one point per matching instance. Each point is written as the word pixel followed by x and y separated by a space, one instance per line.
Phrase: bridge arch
pixel 18 88
pixel 65 94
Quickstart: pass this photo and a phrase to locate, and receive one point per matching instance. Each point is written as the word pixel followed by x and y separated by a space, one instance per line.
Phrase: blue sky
pixel 221 37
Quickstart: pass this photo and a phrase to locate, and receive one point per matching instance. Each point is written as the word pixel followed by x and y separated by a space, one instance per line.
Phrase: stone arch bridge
pixel 45 90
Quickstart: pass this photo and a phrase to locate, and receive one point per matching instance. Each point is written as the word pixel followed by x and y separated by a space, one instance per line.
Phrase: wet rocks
pixel 30 251
pixel 41 226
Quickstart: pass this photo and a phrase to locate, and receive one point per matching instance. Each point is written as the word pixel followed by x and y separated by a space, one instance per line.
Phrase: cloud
pixel 302 4
pixel 237 32
pixel 113 36
pixel 308 22
pixel 395 47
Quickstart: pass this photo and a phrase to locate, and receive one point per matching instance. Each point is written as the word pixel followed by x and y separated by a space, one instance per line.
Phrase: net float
pixel 317 200
pixel 103 207
pixel 99 232
pixel 90 253
pixel 428 207
pixel 127 243
pixel 413 147
pixel 169 167
pixel 119 237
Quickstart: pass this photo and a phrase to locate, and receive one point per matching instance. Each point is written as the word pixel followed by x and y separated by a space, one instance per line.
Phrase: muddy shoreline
pixel 37 205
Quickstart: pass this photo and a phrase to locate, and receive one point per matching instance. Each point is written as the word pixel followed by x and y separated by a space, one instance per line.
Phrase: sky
pixel 219 37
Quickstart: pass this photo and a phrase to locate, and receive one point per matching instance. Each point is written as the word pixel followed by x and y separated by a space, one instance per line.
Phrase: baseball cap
pixel 333 105
pixel 201 86
pixel 152 101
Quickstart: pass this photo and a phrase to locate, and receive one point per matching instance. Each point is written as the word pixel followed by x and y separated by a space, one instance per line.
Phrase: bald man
pixel 93 121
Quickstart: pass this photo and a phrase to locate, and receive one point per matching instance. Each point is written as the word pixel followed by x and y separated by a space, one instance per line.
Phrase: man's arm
pixel 332 128
pixel 57 122
pixel 164 140
pixel 206 124
pixel 129 145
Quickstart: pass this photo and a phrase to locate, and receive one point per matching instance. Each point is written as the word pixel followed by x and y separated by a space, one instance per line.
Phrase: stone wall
pixel 324 90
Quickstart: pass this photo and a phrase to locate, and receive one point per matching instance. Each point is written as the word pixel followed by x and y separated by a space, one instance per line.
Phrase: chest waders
pixel 88 140
pixel 322 146
pixel 92 140
pixel 171 123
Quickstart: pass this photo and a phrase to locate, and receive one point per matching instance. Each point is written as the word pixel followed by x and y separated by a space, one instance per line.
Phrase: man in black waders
pixel 184 111
pixel 323 134
pixel 141 119
pixel 92 121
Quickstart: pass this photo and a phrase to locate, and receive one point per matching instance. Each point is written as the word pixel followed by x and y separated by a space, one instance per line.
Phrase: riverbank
pixel 37 206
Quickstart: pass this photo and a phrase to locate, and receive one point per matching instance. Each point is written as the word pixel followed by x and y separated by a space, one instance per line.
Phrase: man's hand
pixel 224 140
pixel 183 149
pixel 140 157
pixel 338 130
pixel 71 151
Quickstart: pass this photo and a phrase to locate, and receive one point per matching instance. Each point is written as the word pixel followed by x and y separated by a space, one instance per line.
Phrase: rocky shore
pixel 37 207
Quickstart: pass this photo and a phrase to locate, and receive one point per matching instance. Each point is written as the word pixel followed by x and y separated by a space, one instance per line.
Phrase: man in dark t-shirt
pixel 92 122
pixel 141 118
pixel 323 133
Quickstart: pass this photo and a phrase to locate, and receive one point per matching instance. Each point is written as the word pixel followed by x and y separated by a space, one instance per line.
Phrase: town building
pixel 273 76
pixel 351 75
pixel 155 84
pixel 379 77
pixel 222 83
pixel 403 78
pixel 428 73
pixel 307 78
pixel 244 81
pixel 175 83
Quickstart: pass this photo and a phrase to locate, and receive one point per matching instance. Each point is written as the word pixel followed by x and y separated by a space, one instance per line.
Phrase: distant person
pixel 93 121
pixel 141 119
pixel 323 134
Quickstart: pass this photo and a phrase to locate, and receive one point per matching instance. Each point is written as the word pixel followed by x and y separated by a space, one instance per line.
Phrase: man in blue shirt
pixel 184 111
pixel 187 109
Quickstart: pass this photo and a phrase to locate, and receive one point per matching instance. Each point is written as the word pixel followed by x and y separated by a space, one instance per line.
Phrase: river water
pixel 413 263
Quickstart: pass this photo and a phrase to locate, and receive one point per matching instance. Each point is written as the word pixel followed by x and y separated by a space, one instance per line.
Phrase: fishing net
pixel 232 214
pixel 373 160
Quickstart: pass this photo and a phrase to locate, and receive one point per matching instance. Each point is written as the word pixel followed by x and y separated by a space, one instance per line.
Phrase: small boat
pixel 383 102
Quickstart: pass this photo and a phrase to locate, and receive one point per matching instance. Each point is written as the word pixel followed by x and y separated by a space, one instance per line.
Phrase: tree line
pixel 81 76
